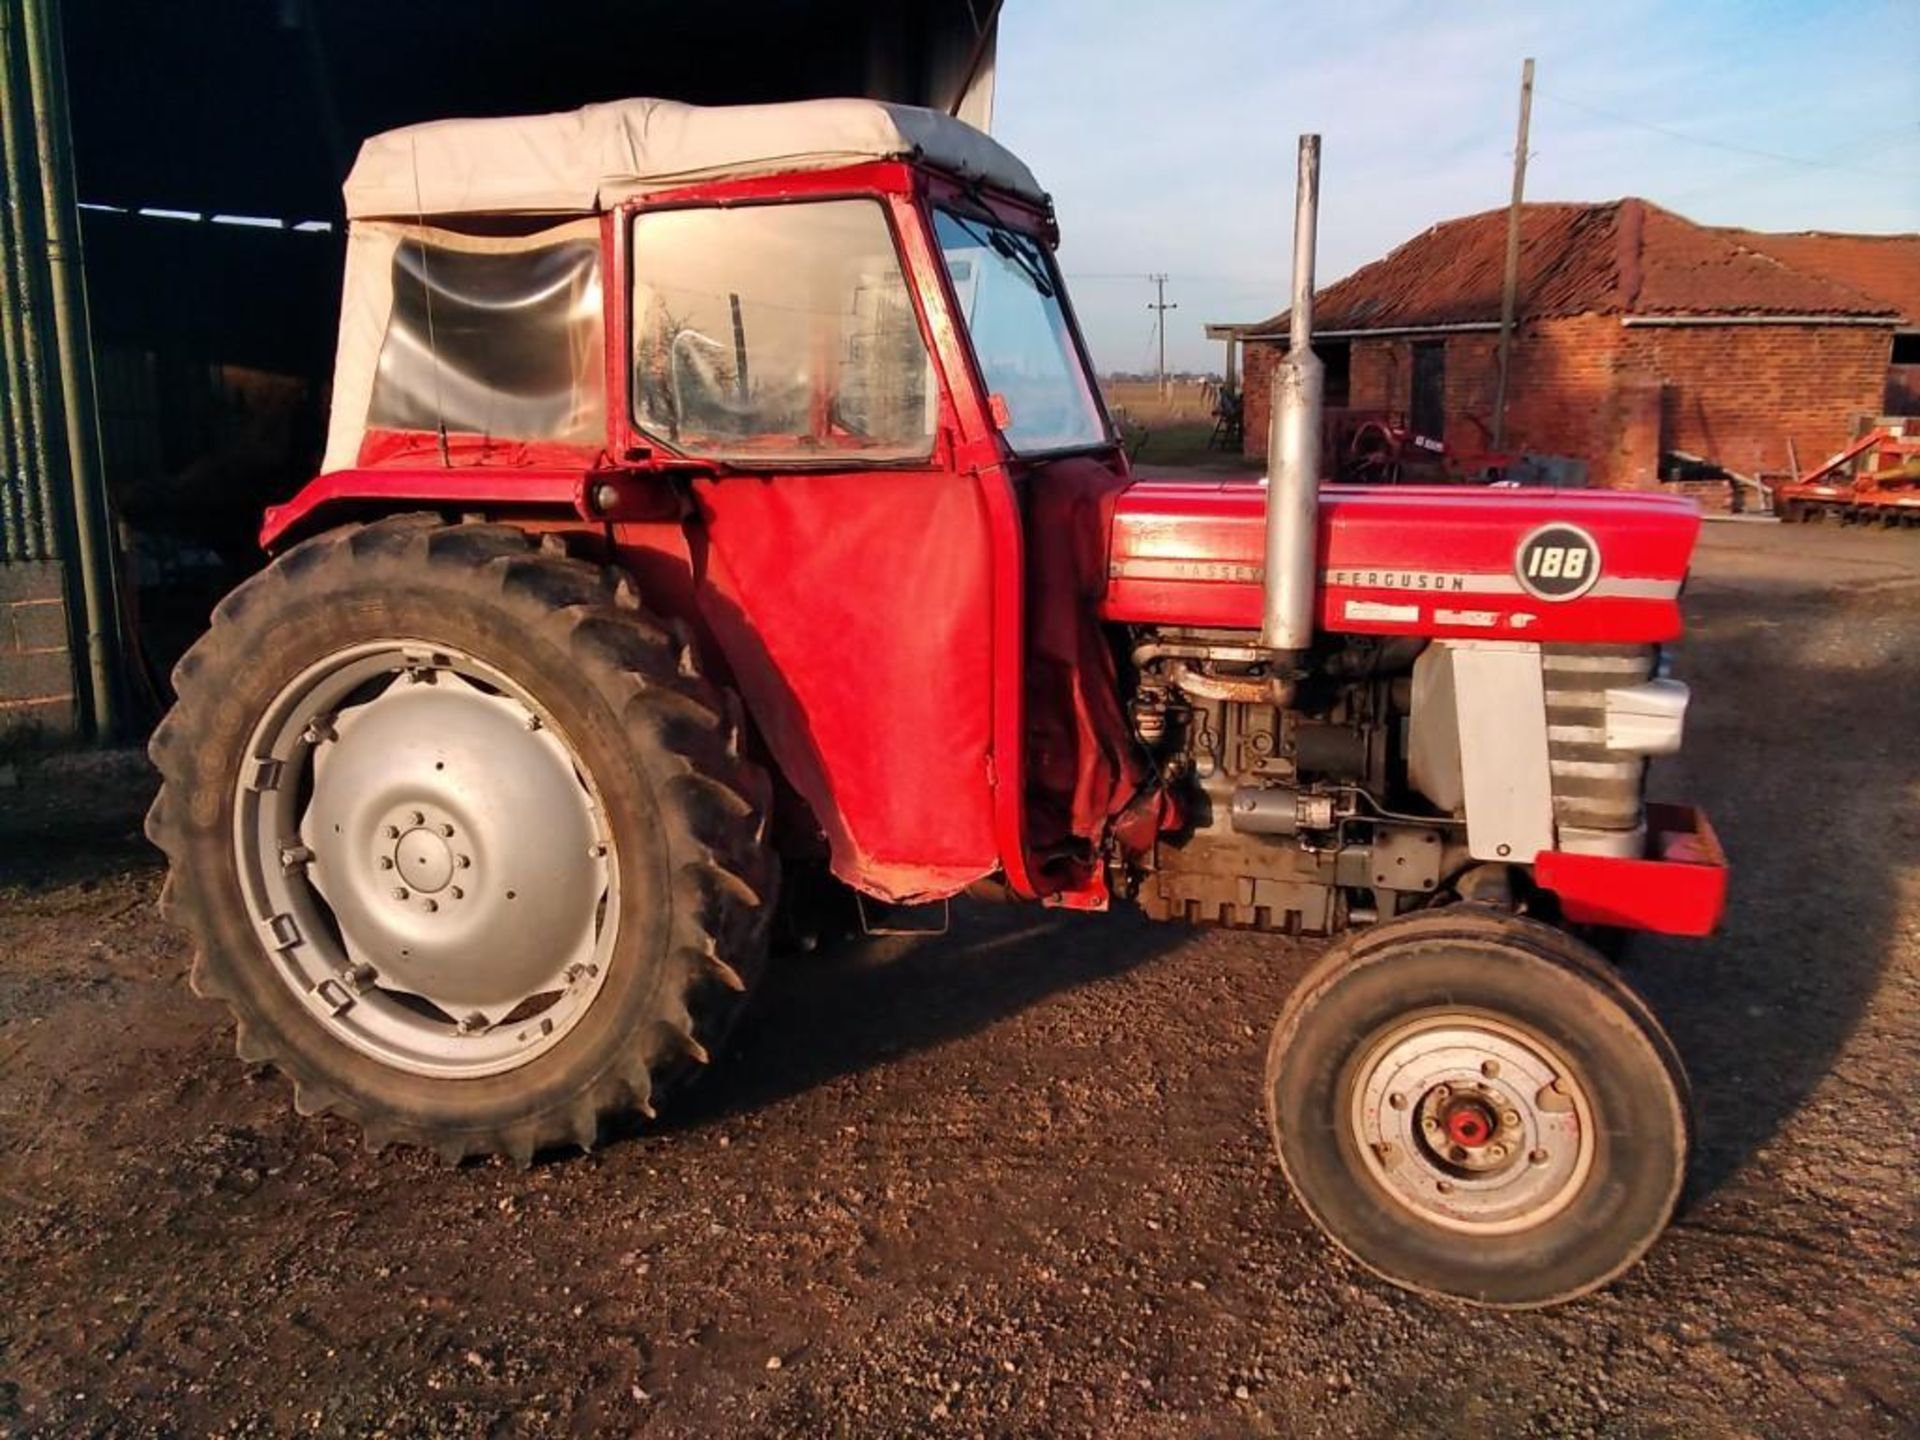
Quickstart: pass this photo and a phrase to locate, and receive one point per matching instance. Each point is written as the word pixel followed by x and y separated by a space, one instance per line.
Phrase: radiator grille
pixel 1593 787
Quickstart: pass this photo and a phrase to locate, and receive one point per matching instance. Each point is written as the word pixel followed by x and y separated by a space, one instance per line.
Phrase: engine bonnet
pixel 1445 562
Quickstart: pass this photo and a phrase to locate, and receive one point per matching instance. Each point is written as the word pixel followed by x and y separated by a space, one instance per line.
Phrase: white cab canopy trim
pixel 586 160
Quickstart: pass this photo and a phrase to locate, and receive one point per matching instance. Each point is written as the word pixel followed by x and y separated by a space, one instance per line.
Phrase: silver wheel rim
pixel 426 859
pixel 1473 1123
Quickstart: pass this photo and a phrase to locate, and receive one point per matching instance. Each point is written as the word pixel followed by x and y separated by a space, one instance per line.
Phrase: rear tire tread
pixel 679 725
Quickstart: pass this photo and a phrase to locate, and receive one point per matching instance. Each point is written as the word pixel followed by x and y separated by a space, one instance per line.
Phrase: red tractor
pixel 721 530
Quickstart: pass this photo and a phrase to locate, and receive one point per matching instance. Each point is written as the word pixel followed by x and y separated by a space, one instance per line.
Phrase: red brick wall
pixel 1737 393
pixel 1257 359
pixel 1580 387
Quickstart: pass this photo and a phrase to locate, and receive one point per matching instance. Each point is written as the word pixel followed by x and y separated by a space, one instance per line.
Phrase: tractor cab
pixel 835 332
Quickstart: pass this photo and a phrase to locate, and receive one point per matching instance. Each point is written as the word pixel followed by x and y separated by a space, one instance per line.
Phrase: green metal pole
pixel 66 267
pixel 17 538
pixel 27 373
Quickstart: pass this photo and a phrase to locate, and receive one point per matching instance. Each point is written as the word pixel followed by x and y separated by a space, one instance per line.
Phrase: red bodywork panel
pixel 1679 888
pixel 1400 560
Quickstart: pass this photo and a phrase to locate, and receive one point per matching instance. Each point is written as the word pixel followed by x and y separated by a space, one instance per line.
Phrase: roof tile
pixel 1623 257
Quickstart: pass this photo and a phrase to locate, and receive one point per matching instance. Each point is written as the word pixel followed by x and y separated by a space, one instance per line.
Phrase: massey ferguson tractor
pixel 721 532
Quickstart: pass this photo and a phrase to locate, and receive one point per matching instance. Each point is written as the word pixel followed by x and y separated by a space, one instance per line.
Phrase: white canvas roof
pixel 584 160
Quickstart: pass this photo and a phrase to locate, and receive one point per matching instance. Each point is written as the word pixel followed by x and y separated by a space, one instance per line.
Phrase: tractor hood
pixel 1590 567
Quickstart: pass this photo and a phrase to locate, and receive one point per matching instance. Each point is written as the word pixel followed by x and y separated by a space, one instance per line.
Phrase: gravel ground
pixel 1009 1180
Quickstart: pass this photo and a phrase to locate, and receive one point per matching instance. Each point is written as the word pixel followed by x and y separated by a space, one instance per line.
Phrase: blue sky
pixel 1166 131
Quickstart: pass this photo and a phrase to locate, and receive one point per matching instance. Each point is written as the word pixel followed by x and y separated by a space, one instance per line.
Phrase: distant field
pixel 1141 400
pixel 1170 430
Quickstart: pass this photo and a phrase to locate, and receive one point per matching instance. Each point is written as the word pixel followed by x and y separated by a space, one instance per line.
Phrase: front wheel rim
pixel 1472 1122
pixel 427 860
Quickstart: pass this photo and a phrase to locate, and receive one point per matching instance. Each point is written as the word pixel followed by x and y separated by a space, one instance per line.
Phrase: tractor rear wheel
pixel 1473 1105
pixel 462 837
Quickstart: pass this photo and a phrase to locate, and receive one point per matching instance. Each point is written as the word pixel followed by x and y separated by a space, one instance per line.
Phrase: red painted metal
pixel 1876 477
pixel 460 487
pixel 1678 888
pixel 1402 560
pixel 1468 1123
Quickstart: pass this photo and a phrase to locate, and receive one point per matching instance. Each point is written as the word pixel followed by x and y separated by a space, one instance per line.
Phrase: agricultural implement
pixel 1875 480
pixel 720 525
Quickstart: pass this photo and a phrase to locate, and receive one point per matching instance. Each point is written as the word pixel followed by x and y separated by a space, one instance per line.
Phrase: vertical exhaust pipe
pixel 1293 442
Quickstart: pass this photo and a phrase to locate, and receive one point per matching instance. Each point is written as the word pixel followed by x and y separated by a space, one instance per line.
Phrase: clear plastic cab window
pixel 1038 390
pixel 779 333
pixel 498 336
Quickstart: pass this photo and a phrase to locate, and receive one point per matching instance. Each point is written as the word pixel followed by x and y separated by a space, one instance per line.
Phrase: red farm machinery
pixel 1873 481
pixel 721 531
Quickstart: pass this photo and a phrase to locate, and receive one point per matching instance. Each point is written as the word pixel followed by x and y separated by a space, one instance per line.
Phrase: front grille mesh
pixel 1593 787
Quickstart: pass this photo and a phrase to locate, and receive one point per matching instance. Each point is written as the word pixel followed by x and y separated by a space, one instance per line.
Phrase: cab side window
pixel 778 332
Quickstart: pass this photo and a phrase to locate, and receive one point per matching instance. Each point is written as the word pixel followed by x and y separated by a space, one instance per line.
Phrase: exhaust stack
pixel 1293 441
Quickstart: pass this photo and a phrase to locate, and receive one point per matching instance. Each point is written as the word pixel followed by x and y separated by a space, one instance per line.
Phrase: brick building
pixel 1641 335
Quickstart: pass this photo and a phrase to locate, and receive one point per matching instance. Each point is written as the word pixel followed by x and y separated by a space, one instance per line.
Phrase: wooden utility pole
pixel 1161 305
pixel 1510 284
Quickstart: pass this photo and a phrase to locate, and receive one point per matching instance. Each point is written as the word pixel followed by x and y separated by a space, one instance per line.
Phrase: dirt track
pixel 1013 1180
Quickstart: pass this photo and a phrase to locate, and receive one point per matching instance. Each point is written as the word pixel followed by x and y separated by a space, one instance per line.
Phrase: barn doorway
pixel 1426 413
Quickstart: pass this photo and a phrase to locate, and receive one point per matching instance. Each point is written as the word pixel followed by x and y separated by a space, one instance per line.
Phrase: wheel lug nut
pixel 457 893
pixel 1489 1068
pixel 447 830
pixel 1496 1152
pixel 385 862
pixel 1442 1092
pixel 597 849
pixel 1509 1117
pixel 416 818
pixel 1537 1157
pixel 1429 1124
pixel 461 862
pixel 399 892
pixel 1445 1187
pixel 1397 1100
pixel 429 905
pixel 392 832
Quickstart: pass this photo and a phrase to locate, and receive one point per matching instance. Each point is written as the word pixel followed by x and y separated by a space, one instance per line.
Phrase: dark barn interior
pixel 210 140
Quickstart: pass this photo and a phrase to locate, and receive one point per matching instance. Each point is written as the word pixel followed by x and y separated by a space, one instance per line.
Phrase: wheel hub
pixel 451 894
pixel 1472 1122
pixel 423 859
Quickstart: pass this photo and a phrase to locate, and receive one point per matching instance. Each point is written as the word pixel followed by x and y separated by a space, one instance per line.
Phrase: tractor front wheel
pixel 462 836
pixel 1473 1105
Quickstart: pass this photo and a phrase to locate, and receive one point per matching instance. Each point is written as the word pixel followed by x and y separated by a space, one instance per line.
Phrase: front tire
pixel 462 836
pixel 1472 1105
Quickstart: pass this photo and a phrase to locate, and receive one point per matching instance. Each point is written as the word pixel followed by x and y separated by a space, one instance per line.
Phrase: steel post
pixel 1293 441
pixel 66 268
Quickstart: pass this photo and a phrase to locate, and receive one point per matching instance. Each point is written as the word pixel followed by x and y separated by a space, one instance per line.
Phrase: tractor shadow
pixel 1800 750
pixel 862 1003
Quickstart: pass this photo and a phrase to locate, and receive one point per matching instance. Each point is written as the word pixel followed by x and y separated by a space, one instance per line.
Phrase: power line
pixel 1712 144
